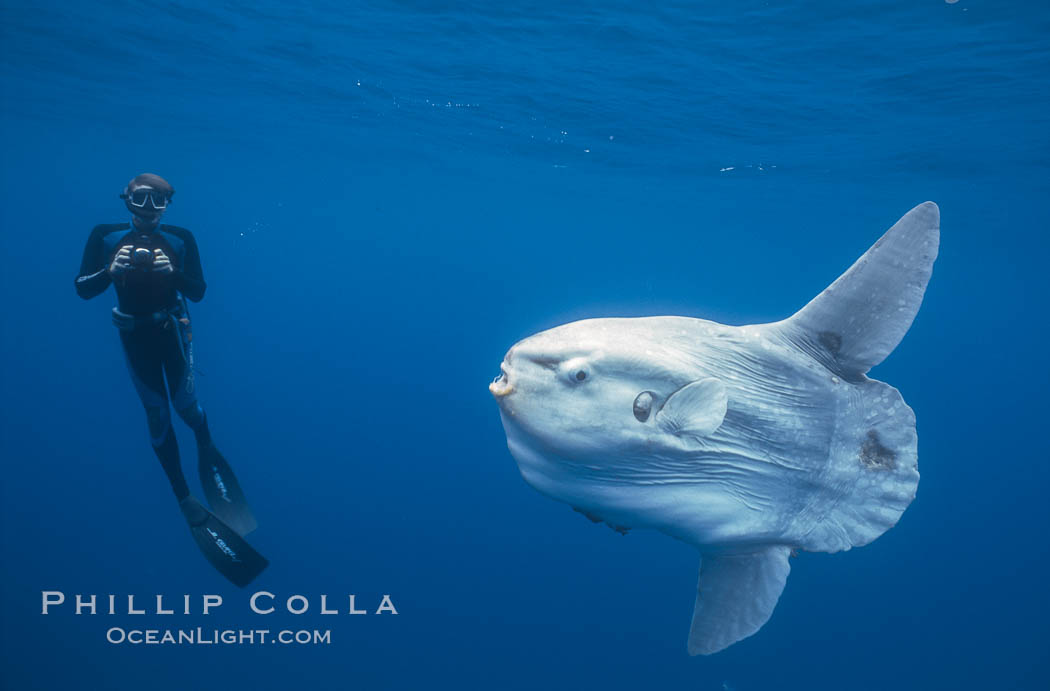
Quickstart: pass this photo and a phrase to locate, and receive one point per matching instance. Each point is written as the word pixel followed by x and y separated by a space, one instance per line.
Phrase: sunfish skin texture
pixel 748 442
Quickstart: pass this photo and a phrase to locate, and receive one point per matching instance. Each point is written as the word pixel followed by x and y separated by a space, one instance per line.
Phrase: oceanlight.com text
pixel 200 636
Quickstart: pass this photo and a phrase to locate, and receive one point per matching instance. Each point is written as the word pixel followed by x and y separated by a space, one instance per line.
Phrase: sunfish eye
pixel 643 405
pixel 576 370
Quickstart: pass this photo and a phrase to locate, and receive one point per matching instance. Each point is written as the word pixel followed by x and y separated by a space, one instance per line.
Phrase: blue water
pixel 389 195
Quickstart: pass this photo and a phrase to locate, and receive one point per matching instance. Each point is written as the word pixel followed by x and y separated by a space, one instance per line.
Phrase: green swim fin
pixel 221 545
pixel 223 492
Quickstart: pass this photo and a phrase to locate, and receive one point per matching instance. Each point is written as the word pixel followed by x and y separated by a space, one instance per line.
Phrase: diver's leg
pixel 220 544
pixel 144 365
pixel 221 488
pixel 168 453
pixel 183 387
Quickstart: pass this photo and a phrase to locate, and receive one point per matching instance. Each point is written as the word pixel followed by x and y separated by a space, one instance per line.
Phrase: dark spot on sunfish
pixel 876 456
pixel 831 340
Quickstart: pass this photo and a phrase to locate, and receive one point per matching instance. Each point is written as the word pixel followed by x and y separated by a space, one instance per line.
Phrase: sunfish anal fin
pixel 735 596
pixel 696 409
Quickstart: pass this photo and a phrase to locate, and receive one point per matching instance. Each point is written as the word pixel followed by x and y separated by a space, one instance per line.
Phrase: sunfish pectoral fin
pixel 696 409
pixel 860 318
pixel 735 596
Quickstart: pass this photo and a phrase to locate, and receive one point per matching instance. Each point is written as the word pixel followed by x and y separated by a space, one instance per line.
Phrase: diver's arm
pixel 190 281
pixel 94 277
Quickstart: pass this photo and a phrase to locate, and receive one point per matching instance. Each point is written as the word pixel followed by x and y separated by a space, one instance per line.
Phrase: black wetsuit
pixel 154 328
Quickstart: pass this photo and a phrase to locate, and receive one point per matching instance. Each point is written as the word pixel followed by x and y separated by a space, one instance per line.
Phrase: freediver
pixel 154 269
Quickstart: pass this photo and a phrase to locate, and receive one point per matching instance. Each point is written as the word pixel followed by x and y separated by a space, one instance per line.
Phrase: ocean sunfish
pixel 748 442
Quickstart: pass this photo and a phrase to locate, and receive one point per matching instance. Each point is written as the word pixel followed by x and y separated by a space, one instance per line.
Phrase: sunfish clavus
pixel 748 442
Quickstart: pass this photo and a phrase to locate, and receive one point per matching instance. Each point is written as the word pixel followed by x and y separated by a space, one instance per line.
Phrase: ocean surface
pixel 386 197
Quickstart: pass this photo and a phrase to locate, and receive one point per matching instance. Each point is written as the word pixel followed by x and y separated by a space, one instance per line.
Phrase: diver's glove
pixel 161 262
pixel 122 261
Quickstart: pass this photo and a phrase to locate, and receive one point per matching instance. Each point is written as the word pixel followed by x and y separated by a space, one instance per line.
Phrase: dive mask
pixel 143 195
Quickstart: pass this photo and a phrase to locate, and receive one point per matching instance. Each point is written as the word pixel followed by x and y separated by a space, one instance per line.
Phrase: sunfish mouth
pixel 501 385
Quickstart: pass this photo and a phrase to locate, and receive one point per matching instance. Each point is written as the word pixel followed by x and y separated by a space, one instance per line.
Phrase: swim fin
pixel 223 492
pixel 221 545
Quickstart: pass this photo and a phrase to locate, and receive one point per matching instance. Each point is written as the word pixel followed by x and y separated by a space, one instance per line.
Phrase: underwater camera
pixel 142 256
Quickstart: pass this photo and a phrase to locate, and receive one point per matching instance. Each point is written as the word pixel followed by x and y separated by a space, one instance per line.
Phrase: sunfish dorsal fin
pixel 860 318
pixel 697 409
pixel 735 596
